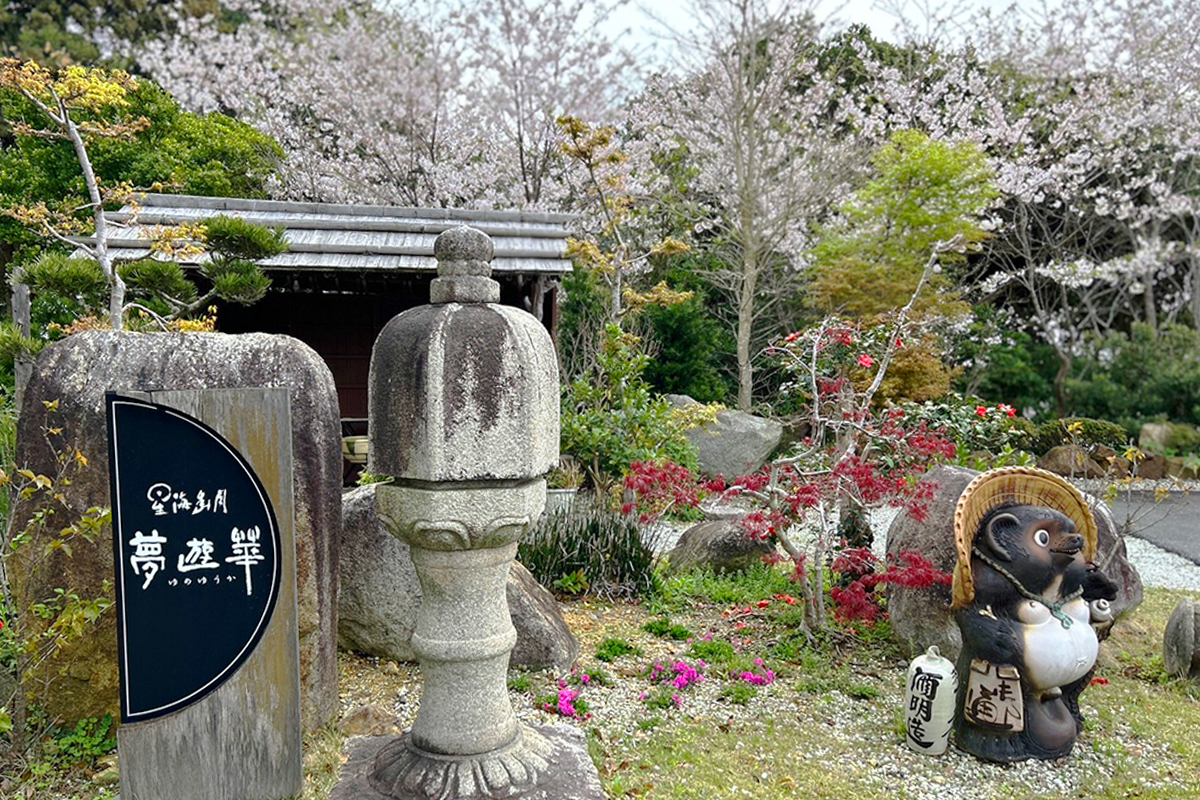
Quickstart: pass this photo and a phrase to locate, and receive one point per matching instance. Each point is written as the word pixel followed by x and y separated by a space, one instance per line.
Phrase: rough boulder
pixel 737 443
pixel 75 374
pixel 380 595
pixel 721 544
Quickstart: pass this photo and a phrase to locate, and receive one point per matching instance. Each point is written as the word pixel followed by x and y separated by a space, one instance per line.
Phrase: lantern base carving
pixel 548 762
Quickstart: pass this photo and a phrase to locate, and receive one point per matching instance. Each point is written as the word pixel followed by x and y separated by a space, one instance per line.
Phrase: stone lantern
pixel 464 399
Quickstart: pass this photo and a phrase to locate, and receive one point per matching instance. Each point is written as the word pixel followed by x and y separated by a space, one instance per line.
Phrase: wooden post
pixel 242 741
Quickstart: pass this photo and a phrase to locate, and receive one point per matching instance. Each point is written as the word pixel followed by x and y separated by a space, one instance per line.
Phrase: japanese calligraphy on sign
pixel 994 696
pixel 196 549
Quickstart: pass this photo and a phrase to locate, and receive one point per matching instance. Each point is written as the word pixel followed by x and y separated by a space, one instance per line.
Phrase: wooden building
pixel 350 269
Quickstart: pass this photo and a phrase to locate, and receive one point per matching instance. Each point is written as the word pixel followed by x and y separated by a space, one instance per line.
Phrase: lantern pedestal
pixel 464 398
pixel 564 771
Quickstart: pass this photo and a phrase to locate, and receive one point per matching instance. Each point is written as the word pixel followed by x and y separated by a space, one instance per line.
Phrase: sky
pixel 646 35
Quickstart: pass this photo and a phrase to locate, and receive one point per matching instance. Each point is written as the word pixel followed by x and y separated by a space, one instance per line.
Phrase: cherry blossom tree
pixel 755 113
pixel 425 103
pixel 1094 106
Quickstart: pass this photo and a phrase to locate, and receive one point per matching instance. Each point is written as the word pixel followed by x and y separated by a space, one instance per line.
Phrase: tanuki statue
pixel 1029 603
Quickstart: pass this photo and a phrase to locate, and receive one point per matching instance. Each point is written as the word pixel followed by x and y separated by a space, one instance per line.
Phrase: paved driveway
pixel 1173 523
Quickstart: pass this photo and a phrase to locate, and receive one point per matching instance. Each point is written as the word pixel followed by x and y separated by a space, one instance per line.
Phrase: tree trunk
pixel 1060 381
pixel 745 326
pixel 1150 304
pixel 116 286
pixel 1195 304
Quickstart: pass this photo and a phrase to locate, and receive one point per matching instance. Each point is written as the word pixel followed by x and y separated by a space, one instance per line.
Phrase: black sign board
pixel 197 556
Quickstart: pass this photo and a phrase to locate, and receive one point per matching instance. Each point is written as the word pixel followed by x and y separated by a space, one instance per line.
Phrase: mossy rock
pixel 1090 434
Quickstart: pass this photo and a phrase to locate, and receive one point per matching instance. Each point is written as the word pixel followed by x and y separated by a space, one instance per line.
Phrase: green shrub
pixel 1183 438
pixel 990 430
pixel 1087 433
pixel 1136 377
pixel 612 649
pixel 689 343
pixel 590 549
pixel 663 628
pixel 1024 433
pixel 1003 365
pixel 610 419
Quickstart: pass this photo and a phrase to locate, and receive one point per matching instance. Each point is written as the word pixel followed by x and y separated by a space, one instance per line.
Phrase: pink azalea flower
pixel 865 361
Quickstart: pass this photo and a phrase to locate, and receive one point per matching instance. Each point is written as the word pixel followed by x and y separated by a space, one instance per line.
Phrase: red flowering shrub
pixel 860 598
pixel 655 487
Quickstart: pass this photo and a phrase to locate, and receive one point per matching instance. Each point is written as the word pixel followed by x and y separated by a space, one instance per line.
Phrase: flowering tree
pixel 534 61
pixel 753 114
pixel 424 103
pixel 1083 112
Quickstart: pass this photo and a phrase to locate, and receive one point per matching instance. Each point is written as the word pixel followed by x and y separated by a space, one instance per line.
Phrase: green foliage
pixel 715 652
pixel 574 583
pixel 610 418
pixel 649 723
pixel 663 628
pixel 66 289
pixel 1140 376
pixel 591 547
pixel 151 282
pixel 194 154
pixel 14 344
pixel 821 674
pixel 679 591
pixel 916 373
pixel 62 32
pixel 972 426
pixel 32 636
pixel 690 344
pixel 1087 433
pixel 1182 438
pixel 237 281
pixel 924 192
pixel 236 239
pixel 366 478
pixel 520 682
pixel 234 247
pixel 1000 365
pixel 57 273
pixel 87 741
pixel 738 693
pixel 610 650
pixel 582 316
pixel 62 289
pixel 661 699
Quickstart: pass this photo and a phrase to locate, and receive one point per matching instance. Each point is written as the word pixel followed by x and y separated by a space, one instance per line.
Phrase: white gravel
pixel 1161 568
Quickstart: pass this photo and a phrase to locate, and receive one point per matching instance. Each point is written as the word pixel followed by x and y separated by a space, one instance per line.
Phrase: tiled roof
pixel 334 238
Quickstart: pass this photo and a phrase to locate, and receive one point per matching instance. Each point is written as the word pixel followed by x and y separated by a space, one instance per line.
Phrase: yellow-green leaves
pixel 76 87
